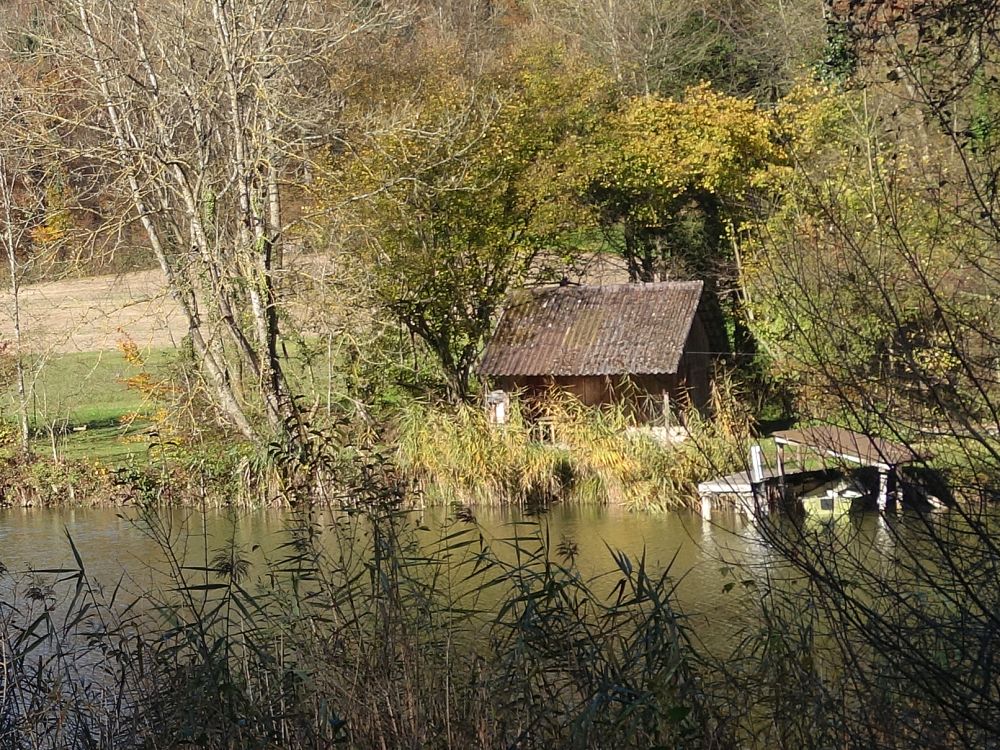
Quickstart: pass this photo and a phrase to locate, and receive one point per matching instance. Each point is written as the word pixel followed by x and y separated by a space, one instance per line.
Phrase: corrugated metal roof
pixel 865 449
pixel 635 329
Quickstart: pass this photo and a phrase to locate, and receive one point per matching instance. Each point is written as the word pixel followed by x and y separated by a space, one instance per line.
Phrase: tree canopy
pixel 462 197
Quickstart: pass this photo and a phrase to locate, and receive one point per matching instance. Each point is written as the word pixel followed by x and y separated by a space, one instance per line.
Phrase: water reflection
pixel 700 552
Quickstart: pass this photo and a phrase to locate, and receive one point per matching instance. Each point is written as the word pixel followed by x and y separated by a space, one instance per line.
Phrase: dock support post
pixel 756 464
pixel 781 470
pixel 883 488
pixel 756 474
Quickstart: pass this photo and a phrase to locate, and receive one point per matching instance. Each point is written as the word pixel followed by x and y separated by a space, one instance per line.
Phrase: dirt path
pixel 93 314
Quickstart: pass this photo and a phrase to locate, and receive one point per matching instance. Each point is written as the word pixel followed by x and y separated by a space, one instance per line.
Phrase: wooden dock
pixel 764 487
pixel 774 490
pixel 733 484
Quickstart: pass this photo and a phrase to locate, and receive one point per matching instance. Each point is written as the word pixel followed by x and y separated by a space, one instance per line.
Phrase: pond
pixel 114 547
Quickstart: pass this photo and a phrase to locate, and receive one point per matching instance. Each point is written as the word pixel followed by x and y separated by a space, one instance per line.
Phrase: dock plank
pixel 732 484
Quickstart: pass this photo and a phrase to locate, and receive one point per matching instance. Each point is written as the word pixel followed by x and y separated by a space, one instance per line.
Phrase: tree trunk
pixel 12 220
pixel 199 146
pixel 15 293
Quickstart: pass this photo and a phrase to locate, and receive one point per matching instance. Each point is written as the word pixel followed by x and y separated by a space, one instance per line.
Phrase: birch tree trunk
pixel 11 215
pixel 29 225
pixel 200 110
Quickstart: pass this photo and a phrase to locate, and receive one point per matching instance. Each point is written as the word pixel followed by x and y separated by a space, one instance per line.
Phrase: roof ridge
pixel 616 285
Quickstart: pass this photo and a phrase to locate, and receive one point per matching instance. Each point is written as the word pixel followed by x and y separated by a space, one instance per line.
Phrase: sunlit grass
pixel 591 455
pixel 81 406
pixel 82 402
pixel 85 389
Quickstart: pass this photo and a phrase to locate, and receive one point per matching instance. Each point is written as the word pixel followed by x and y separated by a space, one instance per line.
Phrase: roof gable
pixel 634 329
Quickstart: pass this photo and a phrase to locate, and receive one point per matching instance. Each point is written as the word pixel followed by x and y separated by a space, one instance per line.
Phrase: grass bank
pixel 98 431
pixel 86 420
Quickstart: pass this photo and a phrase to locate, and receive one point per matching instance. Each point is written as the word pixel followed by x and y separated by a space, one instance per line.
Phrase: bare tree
pixel 642 42
pixel 662 46
pixel 200 112
pixel 28 224
pixel 14 212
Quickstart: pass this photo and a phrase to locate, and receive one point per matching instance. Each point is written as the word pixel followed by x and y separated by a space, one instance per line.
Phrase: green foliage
pixel 656 164
pixel 840 59
pixel 39 482
pixel 855 285
pixel 983 133
pixel 655 152
pixel 461 197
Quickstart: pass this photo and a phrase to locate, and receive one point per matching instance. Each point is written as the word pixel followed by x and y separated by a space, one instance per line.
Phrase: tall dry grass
pixel 576 454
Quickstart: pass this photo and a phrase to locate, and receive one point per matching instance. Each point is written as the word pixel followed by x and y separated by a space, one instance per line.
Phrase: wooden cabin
pixel 641 345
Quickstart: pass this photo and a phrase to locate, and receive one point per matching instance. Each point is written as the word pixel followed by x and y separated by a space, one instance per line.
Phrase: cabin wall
pixel 591 390
pixel 642 396
pixel 695 369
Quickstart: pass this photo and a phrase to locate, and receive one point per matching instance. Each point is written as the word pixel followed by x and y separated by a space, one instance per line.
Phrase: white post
pixel 756 475
pixel 883 488
pixel 756 464
pixel 781 470
pixel 497 406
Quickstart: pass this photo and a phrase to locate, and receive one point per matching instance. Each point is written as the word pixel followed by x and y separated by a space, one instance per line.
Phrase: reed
pixel 366 631
pixel 354 635
pixel 589 455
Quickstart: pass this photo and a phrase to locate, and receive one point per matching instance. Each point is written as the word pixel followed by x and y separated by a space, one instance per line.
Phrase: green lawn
pixel 86 393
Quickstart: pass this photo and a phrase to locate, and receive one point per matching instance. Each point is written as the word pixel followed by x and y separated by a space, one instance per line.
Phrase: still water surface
pixel 112 544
